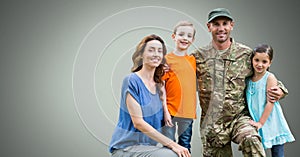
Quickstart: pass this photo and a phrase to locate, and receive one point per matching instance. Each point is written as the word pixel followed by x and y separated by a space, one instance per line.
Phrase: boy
pixel 180 83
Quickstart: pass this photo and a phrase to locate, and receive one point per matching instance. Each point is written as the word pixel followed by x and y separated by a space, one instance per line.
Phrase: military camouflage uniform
pixel 224 118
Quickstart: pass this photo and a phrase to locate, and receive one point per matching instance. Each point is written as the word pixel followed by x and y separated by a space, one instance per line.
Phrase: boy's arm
pixel 167 116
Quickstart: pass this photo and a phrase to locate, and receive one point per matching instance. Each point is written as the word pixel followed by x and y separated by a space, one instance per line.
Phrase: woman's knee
pixel 164 152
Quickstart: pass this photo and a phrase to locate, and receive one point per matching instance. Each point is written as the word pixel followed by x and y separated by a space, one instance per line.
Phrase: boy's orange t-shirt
pixel 181 85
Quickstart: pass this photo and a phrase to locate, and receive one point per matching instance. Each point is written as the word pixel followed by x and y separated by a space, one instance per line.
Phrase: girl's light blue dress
pixel 275 131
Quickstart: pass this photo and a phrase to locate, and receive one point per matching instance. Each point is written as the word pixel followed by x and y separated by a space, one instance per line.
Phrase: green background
pixel 62 63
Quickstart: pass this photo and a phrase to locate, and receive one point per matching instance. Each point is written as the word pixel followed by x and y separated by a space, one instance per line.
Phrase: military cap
pixel 218 12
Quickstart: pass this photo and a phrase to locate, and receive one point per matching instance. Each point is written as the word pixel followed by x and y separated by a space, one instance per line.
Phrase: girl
pixel 267 117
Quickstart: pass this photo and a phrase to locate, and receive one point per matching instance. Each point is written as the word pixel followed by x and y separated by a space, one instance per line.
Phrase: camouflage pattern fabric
pixel 224 117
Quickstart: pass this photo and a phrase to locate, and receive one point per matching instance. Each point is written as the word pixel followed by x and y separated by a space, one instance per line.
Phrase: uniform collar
pixel 229 54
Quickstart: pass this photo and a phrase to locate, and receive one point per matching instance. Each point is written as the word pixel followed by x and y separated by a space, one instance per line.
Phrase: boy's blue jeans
pixel 184 132
pixel 277 151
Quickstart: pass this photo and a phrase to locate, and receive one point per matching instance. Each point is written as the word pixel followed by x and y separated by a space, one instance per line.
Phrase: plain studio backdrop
pixel 62 63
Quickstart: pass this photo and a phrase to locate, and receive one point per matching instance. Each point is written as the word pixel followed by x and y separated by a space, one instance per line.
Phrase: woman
pixel 141 111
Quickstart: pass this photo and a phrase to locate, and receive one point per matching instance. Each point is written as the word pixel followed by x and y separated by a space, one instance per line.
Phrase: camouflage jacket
pixel 221 81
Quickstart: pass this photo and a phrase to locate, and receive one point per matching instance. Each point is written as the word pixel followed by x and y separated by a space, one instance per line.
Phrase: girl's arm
pixel 136 114
pixel 167 116
pixel 272 81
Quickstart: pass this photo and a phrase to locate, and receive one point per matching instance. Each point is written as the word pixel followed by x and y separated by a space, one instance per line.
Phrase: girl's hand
pixel 258 125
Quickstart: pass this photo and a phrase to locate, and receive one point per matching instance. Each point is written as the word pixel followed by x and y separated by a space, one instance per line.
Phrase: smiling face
pixel 261 62
pixel 150 50
pixel 183 37
pixel 220 29
pixel 153 54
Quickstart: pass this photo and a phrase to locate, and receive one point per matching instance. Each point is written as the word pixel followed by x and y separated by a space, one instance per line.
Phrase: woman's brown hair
pixel 138 60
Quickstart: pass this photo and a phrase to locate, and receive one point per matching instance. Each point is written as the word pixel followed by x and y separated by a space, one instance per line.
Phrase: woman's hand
pixel 179 150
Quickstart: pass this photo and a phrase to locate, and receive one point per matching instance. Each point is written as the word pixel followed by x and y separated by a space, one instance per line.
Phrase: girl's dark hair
pixel 262 48
pixel 138 60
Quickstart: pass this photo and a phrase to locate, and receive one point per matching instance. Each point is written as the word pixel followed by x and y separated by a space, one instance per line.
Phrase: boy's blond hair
pixel 184 23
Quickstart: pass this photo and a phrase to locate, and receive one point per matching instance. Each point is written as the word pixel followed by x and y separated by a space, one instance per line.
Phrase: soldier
pixel 222 67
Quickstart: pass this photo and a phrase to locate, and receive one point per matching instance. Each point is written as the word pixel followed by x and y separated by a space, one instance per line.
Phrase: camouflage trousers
pixel 217 141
